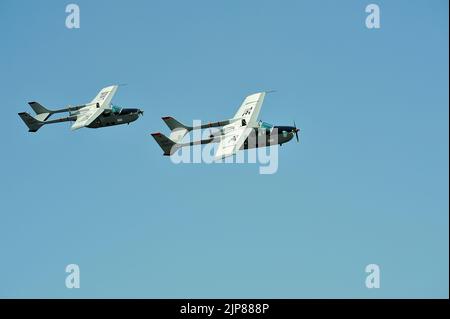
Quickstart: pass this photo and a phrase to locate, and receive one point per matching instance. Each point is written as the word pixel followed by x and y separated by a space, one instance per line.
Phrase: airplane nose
pixel 140 112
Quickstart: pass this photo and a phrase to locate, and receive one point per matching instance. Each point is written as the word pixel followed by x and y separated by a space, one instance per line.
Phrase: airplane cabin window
pixel 266 126
pixel 116 109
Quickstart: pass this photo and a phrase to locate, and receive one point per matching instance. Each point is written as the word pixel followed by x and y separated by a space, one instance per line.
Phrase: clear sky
pixel 368 183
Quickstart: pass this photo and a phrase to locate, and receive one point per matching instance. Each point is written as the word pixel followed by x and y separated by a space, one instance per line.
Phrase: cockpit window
pixel 265 125
pixel 116 109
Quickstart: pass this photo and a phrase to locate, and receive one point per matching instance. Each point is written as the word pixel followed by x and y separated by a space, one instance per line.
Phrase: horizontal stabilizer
pixel 178 130
pixel 32 123
pixel 42 113
pixel 168 146
pixel 173 123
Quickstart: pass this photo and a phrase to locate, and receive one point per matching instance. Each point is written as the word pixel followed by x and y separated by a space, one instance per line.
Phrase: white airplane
pixel 97 113
pixel 243 131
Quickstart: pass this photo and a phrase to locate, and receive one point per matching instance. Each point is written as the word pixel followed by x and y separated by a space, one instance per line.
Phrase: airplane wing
pixel 232 142
pixel 250 108
pixel 88 114
pixel 105 96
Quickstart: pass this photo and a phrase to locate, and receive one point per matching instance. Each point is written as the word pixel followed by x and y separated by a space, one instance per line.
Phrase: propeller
pixel 296 131
pixel 140 112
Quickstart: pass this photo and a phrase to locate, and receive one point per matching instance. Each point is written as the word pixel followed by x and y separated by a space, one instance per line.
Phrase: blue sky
pixel 368 183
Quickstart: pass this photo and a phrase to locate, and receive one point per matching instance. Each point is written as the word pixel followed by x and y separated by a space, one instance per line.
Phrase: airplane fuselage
pixel 258 138
pixel 109 118
pixel 262 138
